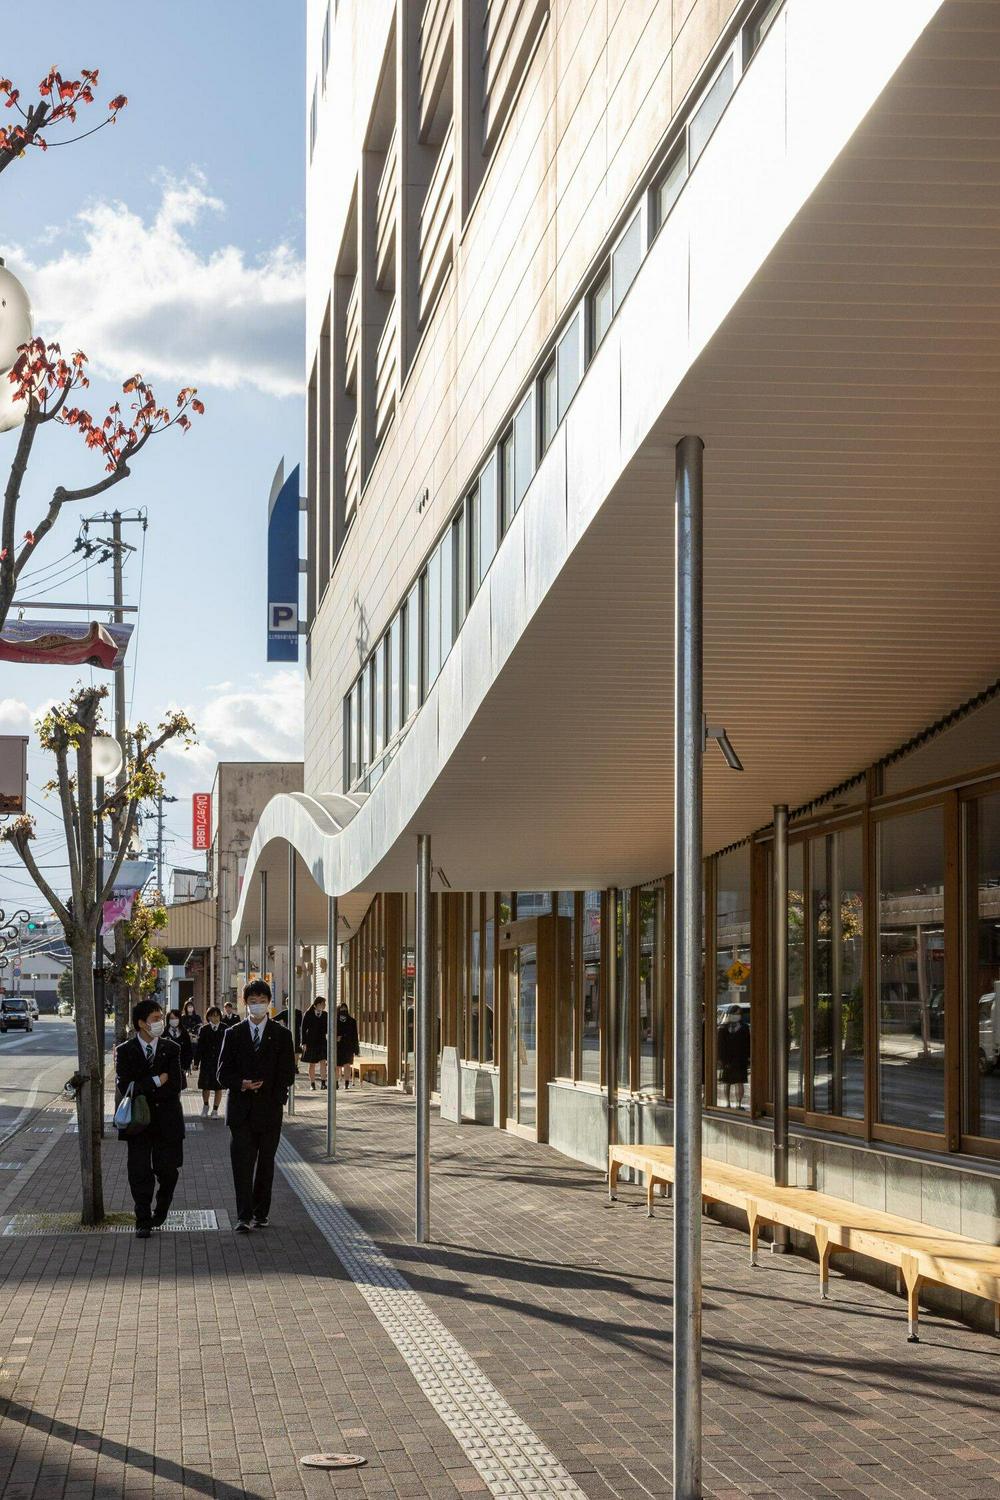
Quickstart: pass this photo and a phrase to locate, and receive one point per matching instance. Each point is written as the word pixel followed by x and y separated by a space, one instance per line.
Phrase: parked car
pixel 14 1013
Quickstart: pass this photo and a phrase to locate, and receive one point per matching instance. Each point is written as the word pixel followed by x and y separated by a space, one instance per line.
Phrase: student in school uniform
pixel 151 1064
pixel 257 1066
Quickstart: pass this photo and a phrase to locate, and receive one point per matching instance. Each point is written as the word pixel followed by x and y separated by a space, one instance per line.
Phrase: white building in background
pixel 546 241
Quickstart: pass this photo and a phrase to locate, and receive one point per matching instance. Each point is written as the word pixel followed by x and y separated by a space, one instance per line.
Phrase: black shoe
pixel 312 1084
pixel 160 1218
pixel 259 1222
pixel 322 1083
pixel 143 1232
pixel 242 1227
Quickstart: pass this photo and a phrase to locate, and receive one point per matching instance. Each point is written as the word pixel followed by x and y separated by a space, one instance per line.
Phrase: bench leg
pixel 996 1318
pixel 613 1169
pixel 913 1279
pixel 824 1249
pixel 650 1190
pixel 754 1221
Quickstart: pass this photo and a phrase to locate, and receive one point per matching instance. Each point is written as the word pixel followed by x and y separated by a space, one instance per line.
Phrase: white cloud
pixel 262 720
pixel 139 295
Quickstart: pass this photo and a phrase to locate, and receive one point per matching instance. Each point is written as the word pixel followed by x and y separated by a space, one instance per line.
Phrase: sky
pixel 170 243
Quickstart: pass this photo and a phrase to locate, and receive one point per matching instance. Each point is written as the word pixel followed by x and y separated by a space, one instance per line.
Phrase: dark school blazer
pixel 274 1064
pixel 166 1112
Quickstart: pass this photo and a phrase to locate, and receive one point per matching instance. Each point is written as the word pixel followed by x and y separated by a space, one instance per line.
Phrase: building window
pixel 365 710
pixel 489 982
pixel 732 978
pixel 549 404
pixel 565 997
pixel 486 520
pixel 982 979
pixel 378 699
pixel 461 568
pixel 668 188
pixel 709 112
pixel 395 717
pixel 312 123
pixel 569 363
pixel 475 979
pixel 352 755
pixel 590 1027
pixel 447 551
pixel 524 447
pixel 505 456
pixel 325 51
pixel 411 665
pixel 626 258
pixel 911 970
pixel 432 621
pixel 796 975
pixel 758 26
pixel 600 311
pixel 836 940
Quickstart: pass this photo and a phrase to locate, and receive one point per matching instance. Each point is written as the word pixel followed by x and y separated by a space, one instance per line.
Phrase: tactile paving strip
pixel 507 1454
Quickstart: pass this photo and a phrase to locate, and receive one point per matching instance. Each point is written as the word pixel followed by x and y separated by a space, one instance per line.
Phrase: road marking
pixel 6 1046
pixel 508 1456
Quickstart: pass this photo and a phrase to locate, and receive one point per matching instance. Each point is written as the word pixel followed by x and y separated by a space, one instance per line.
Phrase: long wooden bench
pixel 365 1066
pixel 919 1251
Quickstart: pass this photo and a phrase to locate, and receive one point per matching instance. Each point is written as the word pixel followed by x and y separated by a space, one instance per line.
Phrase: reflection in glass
pixel 565 984
pixel 527 1041
pixel 550 404
pixel 670 184
pixel 982 834
pixel 590 1068
pixel 489 963
pixel 911 970
pixel 796 973
pixel 623 928
pixel 524 447
pixel 650 960
pixel 569 363
pixel 600 311
pixel 626 260
pixel 732 978
pixel 506 455
pixel 472 1043
pixel 709 112
pixel 836 917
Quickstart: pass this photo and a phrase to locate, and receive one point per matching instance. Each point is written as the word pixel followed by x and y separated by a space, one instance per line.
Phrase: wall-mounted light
pixel 718 733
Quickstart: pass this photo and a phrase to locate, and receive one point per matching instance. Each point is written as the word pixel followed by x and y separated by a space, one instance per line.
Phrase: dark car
pixel 14 1012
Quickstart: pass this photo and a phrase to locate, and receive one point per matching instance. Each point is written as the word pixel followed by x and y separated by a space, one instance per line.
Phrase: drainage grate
pixel 11 1166
pixel 179 1221
pixel 510 1458
pixel 109 1124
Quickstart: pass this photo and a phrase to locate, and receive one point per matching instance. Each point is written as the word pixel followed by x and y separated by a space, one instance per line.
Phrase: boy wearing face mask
pixel 151 1064
pixel 257 1066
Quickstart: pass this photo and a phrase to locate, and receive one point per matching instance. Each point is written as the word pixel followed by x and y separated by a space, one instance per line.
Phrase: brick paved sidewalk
pixel 206 1363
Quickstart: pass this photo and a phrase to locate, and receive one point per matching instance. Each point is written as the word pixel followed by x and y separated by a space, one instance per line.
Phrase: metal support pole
pixel 423 1038
pixel 263 927
pixel 779 1030
pixel 292 904
pixel 611 1020
pixel 332 1001
pixel 246 961
pixel 836 976
pixel 688 983
pixel 100 985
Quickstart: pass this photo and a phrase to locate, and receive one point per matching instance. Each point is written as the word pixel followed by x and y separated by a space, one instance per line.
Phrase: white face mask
pixel 175 1026
pixel 156 1028
pixel 257 1011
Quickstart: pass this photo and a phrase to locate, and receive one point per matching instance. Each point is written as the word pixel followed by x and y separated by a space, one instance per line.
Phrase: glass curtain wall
pixel 982 966
pixel 911 970
pixel 732 978
pixel 590 1039
pixel 836 915
pixel 796 975
pixel 651 989
pixel 565 997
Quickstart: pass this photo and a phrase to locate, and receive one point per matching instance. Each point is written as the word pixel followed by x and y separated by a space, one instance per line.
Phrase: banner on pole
pixel 283 567
pixel 201 820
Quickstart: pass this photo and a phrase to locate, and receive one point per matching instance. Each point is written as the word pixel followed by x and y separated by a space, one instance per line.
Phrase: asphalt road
pixel 33 1069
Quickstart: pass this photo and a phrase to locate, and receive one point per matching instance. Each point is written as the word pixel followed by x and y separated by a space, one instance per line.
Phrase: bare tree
pixel 68 733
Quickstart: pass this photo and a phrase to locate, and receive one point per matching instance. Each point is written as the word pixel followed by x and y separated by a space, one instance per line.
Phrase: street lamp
pixel 15 330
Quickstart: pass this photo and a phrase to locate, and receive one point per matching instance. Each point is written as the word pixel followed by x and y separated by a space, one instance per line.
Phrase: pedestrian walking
pixel 732 1047
pixel 191 1022
pixel 182 1039
pixel 257 1066
pixel 230 1015
pixel 210 1039
pixel 314 1028
pixel 150 1064
pixel 347 1043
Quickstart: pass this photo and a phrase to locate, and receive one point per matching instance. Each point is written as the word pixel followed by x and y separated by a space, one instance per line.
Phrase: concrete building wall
pixel 596 100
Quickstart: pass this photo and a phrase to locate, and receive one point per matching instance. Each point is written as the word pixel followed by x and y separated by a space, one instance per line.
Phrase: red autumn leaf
pixel 117 103
pixel 199 407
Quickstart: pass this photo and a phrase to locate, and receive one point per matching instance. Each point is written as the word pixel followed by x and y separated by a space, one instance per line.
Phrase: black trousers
pixel 251 1150
pixel 153 1167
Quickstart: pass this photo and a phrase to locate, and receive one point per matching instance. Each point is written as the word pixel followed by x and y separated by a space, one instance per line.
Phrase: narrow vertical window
pixel 626 260
pixel 378 700
pixel 447 554
pixel 395 718
pixel 461 567
pixel 549 404
pixel 524 447
pixel 472 521
pixel 366 720
pixel 506 457
pixel 600 311
pixel 668 189
pixel 412 652
pixel 432 621
pixel 487 517
pixel 569 365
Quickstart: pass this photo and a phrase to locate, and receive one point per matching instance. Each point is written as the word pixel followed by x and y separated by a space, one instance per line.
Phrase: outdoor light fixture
pixel 717 732
pixel 107 755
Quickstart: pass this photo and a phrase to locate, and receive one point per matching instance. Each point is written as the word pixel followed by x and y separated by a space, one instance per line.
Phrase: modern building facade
pixel 547 239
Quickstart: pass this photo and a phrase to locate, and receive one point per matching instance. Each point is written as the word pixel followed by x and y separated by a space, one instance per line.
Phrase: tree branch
pixel 36 117
pixel 12 494
pixel 70 826
pixel 28 860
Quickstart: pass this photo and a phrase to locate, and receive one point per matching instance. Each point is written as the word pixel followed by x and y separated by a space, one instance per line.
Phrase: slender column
pixel 292 903
pixel 779 1011
pixel 332 1001
pixel 611 1019
pixel 263 927
pixel 688 752
pixel 423 1038
pixel 246 961
pixel 836 977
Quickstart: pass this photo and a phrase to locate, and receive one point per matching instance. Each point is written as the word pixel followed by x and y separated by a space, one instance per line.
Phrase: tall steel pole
pixel 263 927
pixel 423 1037
pixel 292 904
pixel 332 1001
pixel 689 744
pixel 611 1019
pixel 779 1029
pixel 100 986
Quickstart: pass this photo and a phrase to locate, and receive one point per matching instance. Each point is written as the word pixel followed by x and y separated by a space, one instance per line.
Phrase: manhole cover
pixel 333 1461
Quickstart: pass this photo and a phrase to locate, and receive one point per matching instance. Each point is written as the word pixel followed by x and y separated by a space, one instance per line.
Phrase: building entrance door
pixel 527 946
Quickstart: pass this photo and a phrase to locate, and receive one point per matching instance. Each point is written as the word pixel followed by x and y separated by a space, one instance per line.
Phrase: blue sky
pixel 171 242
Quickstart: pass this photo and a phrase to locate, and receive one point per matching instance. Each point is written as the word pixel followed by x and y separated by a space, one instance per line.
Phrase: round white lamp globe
pixel 15 317
pixel 107 755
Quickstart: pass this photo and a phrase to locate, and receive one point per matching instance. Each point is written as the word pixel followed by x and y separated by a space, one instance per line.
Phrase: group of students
pixel 253 1059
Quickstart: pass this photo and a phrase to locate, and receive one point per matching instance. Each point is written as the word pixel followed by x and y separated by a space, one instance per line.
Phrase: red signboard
pixel 201 810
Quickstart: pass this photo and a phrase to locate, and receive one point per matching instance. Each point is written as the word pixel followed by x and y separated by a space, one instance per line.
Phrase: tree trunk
pixel 90 1099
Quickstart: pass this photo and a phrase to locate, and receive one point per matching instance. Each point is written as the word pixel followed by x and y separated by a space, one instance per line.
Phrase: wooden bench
pixel 919 1251
pixel 362 1066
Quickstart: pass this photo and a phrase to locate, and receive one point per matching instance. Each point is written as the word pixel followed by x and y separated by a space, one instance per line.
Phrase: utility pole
pixel 161 799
